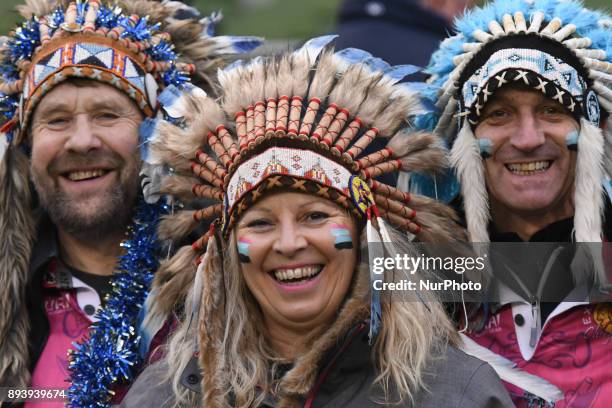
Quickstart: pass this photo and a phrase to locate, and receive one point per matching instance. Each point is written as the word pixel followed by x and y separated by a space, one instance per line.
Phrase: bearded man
pixel 78 253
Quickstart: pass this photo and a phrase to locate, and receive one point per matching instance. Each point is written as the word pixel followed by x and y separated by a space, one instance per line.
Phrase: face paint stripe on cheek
pixel 243 249
pixel 342 234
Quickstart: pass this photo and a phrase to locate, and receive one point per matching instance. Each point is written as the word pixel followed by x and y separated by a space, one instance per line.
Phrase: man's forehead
pixel 89 93
pixel 519 93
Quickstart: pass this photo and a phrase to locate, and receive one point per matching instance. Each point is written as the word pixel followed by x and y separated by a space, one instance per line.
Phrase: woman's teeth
pixel 306 272
pixel 84 175
pixel 524 169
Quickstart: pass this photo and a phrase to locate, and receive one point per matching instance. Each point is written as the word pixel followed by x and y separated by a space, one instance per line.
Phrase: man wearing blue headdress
pixel 523 97
pixel 77 253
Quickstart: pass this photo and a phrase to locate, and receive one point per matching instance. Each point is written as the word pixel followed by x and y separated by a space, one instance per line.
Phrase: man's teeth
pixel 527 168
pixel 297 273
pixel 84 175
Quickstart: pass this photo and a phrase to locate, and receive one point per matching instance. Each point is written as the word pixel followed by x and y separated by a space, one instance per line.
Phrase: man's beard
pixel 113 208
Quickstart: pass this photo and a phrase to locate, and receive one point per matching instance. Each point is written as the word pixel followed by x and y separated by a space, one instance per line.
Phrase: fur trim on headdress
pixel 466 159
pixel 589 194
pixel 16 239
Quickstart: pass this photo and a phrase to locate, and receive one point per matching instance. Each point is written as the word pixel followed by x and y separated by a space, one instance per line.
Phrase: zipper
pixel 535 321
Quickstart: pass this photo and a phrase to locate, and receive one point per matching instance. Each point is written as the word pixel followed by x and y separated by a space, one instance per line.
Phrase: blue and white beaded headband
pixel 532 61
pixel 558 42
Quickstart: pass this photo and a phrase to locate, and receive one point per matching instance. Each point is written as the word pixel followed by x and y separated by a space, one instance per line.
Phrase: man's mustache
pixel 508 153
pixel 73 161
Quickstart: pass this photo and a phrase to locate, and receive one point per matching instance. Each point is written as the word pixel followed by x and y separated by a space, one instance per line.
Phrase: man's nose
pixel 290 239
pixel 528 135
pixel 83 135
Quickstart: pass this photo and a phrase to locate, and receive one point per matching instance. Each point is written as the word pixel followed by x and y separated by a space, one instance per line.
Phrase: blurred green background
pixel 272 19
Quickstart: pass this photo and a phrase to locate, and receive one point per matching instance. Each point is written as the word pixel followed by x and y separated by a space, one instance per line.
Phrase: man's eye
pixel 57 121
pixel 553 110
pixel 498 113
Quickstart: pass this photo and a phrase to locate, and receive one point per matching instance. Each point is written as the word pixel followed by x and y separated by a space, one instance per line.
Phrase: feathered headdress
pixel 302 121
pixel 556 47
pixel 140 48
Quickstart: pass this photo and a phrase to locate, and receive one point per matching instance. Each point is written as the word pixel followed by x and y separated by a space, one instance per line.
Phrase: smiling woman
pixel 299 271
pixel 282 296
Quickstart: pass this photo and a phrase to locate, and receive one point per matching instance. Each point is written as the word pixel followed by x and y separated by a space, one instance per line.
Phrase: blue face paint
pixel 243 250
pixel 571 140
pixel 343 237
pixel 485 146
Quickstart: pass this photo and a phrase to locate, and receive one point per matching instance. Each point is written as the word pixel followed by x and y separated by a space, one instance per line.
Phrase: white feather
pixel 3 145
pixel 588 195
pixel 313 47
pixel 510 373
pixel 466 159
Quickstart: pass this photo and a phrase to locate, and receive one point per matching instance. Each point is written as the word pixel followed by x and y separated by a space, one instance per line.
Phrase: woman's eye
pixel 108 116
pixel 316 216
pixel 258 224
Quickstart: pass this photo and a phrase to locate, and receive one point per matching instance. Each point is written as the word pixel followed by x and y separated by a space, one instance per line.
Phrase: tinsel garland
pixel 109 354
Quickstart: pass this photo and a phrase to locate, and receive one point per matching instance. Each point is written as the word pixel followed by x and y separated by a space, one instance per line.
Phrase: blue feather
pixel 169 96
pixel 444 187
pixel 352 55
pixel 145 133
pixel 240 44
pixel 315 45
pixel 399 72
pixel 545 6
pixel 377 64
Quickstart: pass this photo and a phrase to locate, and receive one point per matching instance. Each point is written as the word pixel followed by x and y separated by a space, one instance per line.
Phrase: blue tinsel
pixel 8 105
pixel 139 31
pixel 163 51
pixel 57 18
pixel 26 39
pixel 175 77
pixel 82 7
pixel 110 354
pixel 108 17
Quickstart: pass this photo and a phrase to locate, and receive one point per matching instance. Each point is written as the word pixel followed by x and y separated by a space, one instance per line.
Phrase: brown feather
pixel 173 278
pixel 179 187
pixel 419 151
pixel 324 76
pixel 176 226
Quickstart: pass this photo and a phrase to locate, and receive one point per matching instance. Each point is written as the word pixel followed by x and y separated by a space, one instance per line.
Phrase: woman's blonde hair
pixel 414 329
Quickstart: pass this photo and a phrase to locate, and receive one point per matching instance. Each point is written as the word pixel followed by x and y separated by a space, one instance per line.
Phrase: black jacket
pixel 398 31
